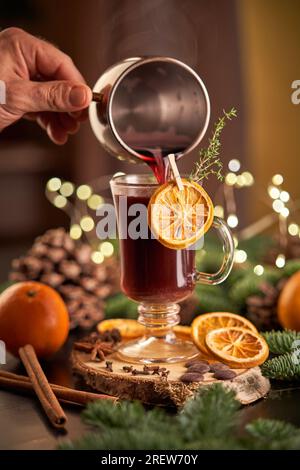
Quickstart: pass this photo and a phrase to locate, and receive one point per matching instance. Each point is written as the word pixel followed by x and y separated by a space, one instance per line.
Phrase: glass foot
pixel 151 349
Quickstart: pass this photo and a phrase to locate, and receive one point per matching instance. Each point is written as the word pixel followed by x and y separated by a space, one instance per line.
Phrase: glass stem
pixel 159 319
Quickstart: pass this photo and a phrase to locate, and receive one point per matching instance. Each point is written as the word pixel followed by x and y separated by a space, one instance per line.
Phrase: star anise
pixel 101 349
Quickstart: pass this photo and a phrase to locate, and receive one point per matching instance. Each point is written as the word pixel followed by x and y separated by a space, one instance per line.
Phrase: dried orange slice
pixel 183 332
pixel 179 218
pixel 211 321
pixel 128 328
pixel 237 347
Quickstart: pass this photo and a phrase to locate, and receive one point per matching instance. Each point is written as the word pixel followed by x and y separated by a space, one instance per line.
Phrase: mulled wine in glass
pixel 156 276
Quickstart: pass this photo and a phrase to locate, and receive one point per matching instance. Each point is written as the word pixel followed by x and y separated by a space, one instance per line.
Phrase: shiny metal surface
pixel 149 105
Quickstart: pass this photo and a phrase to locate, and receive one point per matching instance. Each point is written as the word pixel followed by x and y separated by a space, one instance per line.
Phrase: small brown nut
pixel 189 377
pixel 200 368
pixel 224 374
pixel 218 366
pixel 195 361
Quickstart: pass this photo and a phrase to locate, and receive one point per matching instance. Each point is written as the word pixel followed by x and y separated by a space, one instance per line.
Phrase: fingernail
pixel 77 96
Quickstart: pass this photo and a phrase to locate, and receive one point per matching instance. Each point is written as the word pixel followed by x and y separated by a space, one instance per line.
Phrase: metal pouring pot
pixel 145 105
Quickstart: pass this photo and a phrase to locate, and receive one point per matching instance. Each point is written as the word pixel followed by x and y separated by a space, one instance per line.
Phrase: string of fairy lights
pixel 81 202
pixel 279 200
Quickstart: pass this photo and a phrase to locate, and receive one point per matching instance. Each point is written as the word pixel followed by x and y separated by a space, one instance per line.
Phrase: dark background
pixel 246 51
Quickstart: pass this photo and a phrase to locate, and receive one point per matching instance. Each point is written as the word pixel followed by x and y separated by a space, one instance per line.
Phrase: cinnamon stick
pixel 42 388
pixel 11 381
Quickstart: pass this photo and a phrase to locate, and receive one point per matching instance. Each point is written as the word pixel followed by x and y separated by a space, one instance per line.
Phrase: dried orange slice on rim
pixel 128 328
pixel 238 347
pixel 179 218
pixel 211 321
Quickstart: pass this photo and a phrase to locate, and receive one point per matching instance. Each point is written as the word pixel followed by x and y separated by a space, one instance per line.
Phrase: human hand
pixel 42 84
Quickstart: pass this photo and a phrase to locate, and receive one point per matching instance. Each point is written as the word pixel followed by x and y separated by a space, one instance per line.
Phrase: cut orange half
pixel 128 328
pixel 211 321
pixel 237 347
pixel 179 218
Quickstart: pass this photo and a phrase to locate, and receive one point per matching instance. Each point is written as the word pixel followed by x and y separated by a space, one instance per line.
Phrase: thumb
pixel 60 96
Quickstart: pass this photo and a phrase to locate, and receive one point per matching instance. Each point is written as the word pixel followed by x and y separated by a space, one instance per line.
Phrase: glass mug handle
pixel 228 249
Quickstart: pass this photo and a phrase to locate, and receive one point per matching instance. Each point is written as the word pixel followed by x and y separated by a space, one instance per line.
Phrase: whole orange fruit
pixel 33 313
pixel 289 303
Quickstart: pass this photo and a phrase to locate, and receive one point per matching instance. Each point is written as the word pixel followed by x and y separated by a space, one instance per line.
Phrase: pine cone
pixel 262 308
pixel 56 260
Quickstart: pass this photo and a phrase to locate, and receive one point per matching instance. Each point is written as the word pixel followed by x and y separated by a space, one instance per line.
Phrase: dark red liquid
pixel 158 161
pixel 150 272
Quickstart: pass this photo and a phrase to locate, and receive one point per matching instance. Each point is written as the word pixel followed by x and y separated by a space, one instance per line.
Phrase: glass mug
pixel 158 277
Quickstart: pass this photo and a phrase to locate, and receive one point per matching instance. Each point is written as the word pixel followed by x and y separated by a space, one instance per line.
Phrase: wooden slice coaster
pixel 249 384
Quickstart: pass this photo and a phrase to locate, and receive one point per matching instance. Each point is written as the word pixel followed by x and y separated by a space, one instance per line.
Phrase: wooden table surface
pixel 23 424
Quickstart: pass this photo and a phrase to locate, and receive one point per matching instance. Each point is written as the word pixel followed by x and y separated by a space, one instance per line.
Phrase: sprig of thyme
pixel 209 162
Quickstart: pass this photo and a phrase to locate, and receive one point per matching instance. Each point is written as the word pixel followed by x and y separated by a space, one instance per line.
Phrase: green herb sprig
pixel 209 162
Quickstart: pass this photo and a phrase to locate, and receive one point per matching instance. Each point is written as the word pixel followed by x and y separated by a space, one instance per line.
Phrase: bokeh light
pixel 258 270
pixel 97 257
pixel 54 184
pixel 248 178
pixel 232 220
pixel 84 192
pixel 75 231
pixel 293 229
pixel 95 201
pixel 234 165
pixel 240 256
pixel 284 196
pixel 230 179
pixel 274 193
pixel 277 180
pixel 219 211
pixel 278 205
pixel 87 224
pixel 285 212
pixel 107 249
pixel 280 261
pixel 67 189
pixel 60 201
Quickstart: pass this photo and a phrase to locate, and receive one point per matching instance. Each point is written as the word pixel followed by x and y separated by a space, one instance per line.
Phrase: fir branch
pixel 130 439
pixel 292 266
pixel 270 429
pixel 124 415
pixel 213 299
pixel 100 415
pixel 250 285
pixel 282 368
pixel 207 422
pixel 211 414
pixel 209 162
pixel 120 303
pixel 281 342
pixel 270 434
